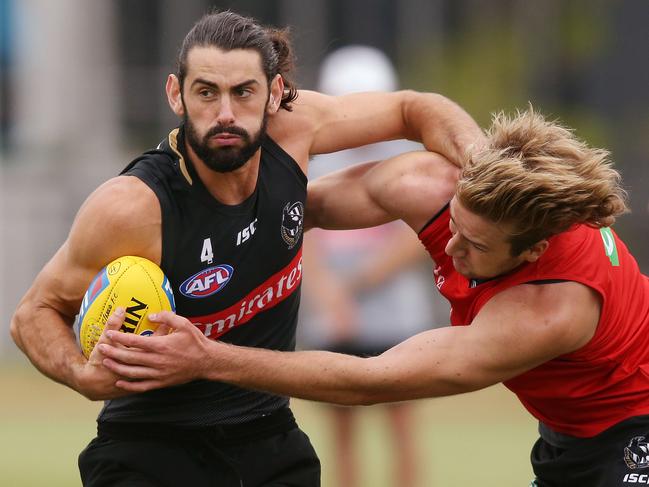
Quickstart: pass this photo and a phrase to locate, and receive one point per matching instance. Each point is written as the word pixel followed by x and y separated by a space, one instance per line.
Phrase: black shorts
pixel 270 451
pixel 617 457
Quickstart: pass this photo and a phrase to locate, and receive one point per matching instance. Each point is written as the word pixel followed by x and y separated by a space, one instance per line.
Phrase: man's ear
pixel 535 251
pixel 276 92
pixel 174 96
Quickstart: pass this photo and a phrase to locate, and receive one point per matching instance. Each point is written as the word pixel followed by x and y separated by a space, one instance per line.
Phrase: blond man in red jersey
pixel 545 298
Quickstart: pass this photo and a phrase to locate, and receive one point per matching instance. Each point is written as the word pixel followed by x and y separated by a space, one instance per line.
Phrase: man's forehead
pixel 221 66
pixel 478 228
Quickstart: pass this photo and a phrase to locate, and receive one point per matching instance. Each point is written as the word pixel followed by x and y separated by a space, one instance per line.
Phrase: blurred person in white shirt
pixel 364 290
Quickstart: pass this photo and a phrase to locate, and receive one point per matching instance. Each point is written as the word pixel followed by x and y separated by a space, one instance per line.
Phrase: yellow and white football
pixel 133 283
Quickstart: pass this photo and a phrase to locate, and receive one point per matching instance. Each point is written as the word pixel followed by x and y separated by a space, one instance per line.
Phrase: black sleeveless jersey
pixel 235 271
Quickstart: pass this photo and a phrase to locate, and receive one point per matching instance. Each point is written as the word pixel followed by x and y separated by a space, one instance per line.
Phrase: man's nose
pixel 226 113
pixel 454 247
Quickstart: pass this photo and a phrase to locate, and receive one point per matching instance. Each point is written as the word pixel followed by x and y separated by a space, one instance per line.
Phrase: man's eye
pixel 479 248
pixel 206 93
pixel 243 92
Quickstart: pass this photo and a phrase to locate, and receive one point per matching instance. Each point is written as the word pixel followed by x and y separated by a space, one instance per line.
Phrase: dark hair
pixel 228 30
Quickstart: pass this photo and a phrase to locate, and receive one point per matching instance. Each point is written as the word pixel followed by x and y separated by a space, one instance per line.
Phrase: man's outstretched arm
pixel 320 124
pixel 498 345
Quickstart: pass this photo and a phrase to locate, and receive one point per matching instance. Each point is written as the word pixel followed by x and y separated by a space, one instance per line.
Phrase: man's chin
pixel 464 271
pixel 227 167
pixel 225 160
pixel 460 267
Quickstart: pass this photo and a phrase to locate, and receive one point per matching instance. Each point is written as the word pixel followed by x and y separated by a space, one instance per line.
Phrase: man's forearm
pixel 442 125
pixel 313 375
pixel 48 342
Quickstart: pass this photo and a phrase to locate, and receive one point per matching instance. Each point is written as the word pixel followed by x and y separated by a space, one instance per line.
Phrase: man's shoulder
pixel 293 132
pixel 119 218
pixel 123 193
pixel 165 166
pixel 302 119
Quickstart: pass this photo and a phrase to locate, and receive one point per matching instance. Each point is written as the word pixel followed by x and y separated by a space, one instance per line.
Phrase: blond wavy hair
pixel 536 177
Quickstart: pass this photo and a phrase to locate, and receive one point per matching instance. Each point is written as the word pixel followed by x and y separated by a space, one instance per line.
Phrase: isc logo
pixel 247 232
pixel 207 282
pixel 636 478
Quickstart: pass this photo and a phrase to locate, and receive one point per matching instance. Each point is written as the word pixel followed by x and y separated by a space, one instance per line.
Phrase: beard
pixel 224 159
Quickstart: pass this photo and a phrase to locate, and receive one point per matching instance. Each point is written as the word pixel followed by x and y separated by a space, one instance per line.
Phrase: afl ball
pixel 133 283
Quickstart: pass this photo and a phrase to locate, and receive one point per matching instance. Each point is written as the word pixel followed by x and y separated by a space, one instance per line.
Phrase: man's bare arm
pixel 412 187
pixel 322 124
pixel 104 229
pixel 498 345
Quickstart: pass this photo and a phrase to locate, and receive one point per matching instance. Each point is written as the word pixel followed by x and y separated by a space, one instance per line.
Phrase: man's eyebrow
pixel 201 81
pixel 246 83
pixel 213 85
pixel 473 242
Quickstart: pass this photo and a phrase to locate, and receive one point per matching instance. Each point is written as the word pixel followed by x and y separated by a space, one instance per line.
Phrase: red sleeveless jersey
pixel 606 381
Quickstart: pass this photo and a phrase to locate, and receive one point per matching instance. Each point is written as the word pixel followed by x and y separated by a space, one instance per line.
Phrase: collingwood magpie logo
pixel 636 454
pixel 292 223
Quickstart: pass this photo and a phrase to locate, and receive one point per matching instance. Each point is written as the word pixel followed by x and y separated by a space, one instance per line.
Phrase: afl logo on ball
pixel 207 282
pixel 292 223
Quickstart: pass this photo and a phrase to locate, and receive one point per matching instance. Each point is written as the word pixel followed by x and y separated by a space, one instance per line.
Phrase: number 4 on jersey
pixel 207 255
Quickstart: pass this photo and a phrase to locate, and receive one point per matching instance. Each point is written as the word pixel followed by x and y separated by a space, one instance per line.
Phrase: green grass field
pixel 480 438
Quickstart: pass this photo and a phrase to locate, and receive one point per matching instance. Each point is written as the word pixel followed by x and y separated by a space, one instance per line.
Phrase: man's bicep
pixel 342 200
pixel 413 186
pixel 122 217
pixel 529 324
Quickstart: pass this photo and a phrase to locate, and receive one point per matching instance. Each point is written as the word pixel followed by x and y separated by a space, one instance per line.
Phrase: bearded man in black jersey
pixel 222 193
